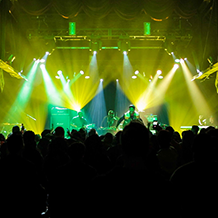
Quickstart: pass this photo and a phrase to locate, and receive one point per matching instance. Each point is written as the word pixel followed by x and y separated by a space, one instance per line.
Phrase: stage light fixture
pixel 101 80
pixel 81 72
pixel 147 28
pixel 159 72
pixel 160 77
pixel 181 60
pixel 134 77
pixel 42 66
pixel 87 77
pixel 176 66
pixel 72 28
pixel 124 46
pixel 95 46
pixel 169 45
pixel 59 72
pixel 136 72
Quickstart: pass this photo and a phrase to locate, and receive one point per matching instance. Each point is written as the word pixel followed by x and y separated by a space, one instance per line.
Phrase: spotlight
pixel 160 77
pixel 95 45
pixel 101 80
pixel 124 45
pixel 169 45
pixel 136 72
pixel 159 72
pixel 181 60
pixel 42 66
pixel 81 72
pixel 87 77
pixel 199 72
pixel 47 52
pixel 59 72
pixel 176 66
pixel 134 77
pixel 177 60
pixel 117 80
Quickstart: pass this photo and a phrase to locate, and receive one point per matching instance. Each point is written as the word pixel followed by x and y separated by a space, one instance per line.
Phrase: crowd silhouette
pixel 133 172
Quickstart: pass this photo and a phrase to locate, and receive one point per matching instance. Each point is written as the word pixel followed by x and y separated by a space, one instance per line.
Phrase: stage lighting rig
pixel 124 46
pixel 95 46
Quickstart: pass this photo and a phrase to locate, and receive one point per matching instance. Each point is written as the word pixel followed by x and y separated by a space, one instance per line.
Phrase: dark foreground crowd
pixel 133 173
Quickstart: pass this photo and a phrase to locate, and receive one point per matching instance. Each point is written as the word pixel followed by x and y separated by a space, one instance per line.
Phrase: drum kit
pixel 85 127
pixel 112 129
pixel 101 130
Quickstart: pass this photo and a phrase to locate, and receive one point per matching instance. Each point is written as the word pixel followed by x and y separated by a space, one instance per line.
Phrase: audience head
pixel 202 147
pixel 195 129
pixel 135 140
pixel 46 133
pixel 59 132
pixel 77 151
pixel 16 130
pixel 170 130
pixel 15 143
pixel 58 144
pixel 29 139
pixel 164 139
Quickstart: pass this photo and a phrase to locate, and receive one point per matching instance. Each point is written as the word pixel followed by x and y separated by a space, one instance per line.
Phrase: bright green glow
pixel 147 28
pixel 52 93
pixel 72 28
pixel 75 78
pixel 18 110
pixel 109 48
pixel 72 48
pixel 26 90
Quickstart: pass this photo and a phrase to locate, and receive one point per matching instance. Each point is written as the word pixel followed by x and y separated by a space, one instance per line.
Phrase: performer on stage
pixel 78 121
pixel 130 115
pixel 111 119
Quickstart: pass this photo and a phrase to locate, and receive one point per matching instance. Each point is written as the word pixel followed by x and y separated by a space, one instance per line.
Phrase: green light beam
pixel 51 91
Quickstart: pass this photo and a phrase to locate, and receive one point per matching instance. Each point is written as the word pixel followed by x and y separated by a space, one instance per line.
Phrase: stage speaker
pixel 60 117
